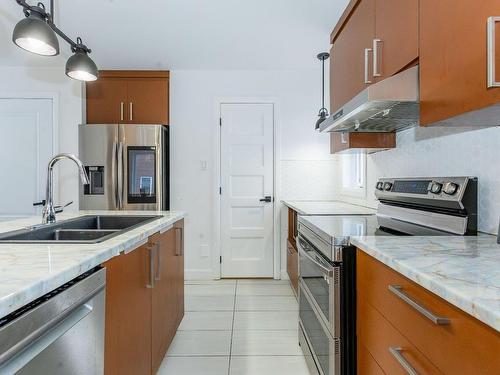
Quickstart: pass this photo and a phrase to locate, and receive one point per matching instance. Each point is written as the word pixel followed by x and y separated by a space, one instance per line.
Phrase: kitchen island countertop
pixel 28 271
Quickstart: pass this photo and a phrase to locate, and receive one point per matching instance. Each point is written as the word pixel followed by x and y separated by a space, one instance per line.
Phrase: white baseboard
pixel 284 275
pixel 198 274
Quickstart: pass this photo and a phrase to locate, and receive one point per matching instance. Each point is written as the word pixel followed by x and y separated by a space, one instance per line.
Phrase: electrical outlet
pixel 204 250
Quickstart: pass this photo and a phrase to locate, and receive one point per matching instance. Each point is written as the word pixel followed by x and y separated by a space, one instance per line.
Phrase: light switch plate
pixel 204 250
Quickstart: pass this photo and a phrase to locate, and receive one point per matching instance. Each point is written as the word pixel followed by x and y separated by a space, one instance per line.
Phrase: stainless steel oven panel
pixel 308 354
pixel 317 340
pixel 318 242
pixel 321 282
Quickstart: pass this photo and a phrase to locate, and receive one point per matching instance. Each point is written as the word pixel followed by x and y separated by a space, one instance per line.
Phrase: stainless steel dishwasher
pixel 61 333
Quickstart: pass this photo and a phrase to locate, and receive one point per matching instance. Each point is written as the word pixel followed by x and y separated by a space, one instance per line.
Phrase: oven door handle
pixel 301 245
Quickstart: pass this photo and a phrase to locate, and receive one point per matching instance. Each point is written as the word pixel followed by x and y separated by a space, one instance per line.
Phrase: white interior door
pixel 26 145
pixel 247 164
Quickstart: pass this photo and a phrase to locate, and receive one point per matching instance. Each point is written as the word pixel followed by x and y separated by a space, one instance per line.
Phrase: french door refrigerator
pixel 128 167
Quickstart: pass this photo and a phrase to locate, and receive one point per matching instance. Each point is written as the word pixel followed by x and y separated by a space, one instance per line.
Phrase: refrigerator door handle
pixel 114 157
pixel 120 175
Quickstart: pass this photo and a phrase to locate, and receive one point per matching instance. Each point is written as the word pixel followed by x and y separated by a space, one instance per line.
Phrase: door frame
pixel 217 253
pixel 51 95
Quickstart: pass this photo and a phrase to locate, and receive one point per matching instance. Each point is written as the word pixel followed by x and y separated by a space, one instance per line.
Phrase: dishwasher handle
pixel 25 352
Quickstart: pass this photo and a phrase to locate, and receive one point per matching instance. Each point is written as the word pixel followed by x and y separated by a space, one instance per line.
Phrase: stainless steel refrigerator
pixel 128 167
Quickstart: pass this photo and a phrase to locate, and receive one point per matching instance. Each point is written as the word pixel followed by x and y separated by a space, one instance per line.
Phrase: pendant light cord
pixel 323 85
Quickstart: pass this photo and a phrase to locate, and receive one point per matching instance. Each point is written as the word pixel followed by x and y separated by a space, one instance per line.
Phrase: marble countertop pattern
pixel 465 271
pixel 328 208
pixel 28 271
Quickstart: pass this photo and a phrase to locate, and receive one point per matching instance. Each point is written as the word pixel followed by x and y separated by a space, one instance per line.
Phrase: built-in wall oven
pixel 326 296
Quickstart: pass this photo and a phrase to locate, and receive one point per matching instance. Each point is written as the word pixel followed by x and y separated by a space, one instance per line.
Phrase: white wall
pixel 444 152
pixel 19 81
pixel 194 120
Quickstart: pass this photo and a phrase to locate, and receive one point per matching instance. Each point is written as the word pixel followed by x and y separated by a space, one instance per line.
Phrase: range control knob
pixel 436 187
pixel 380 185
pixel 387 186
pixel 450 188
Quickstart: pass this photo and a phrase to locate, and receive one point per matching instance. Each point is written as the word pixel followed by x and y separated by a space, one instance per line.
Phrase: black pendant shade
pixel 323 112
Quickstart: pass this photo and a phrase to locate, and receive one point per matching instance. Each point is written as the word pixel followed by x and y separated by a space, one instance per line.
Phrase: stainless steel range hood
pixel 387 106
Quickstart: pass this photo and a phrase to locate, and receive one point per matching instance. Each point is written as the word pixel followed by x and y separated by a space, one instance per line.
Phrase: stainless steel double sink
pixel 83 230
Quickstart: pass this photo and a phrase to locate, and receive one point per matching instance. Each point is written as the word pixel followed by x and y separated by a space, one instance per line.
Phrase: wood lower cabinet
pixel 127 347
pixel 384 320
pixel 128 97
pixel 453 58
pixel 144 303
pixel 361 142
pixel 168 291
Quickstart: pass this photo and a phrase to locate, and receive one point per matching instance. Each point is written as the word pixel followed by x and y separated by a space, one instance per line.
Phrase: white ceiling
pixel 186 34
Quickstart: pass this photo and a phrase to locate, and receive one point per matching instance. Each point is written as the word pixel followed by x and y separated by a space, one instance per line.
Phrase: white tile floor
pixel 237 327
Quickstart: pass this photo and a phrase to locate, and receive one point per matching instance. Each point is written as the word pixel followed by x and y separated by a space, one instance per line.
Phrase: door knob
pixel 267 198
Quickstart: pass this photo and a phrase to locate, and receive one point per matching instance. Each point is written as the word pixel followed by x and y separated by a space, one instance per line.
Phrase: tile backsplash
pixel 444 152
pixel 308 179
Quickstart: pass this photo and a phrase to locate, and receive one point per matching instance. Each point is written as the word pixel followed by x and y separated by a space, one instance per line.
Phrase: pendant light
pixel 80 66
pixel 33 33
pixel 37 33
pixel 323 112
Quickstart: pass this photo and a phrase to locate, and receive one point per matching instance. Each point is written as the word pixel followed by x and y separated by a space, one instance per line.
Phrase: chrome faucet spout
pixel 49 213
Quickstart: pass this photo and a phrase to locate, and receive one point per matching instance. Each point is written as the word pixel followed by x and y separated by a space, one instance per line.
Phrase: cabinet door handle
pixel 179 241
pixel 367 64
pixel 376 42
pixel 491 40
pixel 131 107
pixel 158 265
pixel 398 355
pixel 121 111
pixel 151 283
pixel 399 292
pixel 343 139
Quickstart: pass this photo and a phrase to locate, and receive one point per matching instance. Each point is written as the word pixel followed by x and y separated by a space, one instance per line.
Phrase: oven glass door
pixel 326 350
pixel 322 282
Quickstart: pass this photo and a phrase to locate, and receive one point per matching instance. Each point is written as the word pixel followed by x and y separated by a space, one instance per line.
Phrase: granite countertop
pixel 28 271
pixel 328 208
pixel 465 271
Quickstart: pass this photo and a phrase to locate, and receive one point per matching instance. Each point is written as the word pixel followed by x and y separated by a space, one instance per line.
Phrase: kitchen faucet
pixel 49 213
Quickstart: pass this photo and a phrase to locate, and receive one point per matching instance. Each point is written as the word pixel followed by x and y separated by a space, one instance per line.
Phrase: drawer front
pixel 464 337
pixel 292 266
pixel 366 363
pixel 378 336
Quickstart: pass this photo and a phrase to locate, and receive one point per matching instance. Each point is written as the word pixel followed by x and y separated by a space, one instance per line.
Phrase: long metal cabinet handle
pixel 376 42
pixel 114 181
pixel 491 40
pixel 131 111
pixel 179 240
pixel 302 251
pixel 158 266
pixel 120 175
pixel 56 328
pixel 399 292
pixel 367 63
pixel 151 283
pixel 397 353
pixel 121 110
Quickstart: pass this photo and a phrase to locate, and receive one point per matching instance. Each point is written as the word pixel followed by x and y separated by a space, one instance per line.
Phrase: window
pixel 353 174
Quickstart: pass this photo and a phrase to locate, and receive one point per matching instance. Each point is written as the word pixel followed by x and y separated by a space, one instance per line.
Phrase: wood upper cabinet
pixel 106 100
pixel 361 142
pixel 453 58
pixel 128 314
pixel 395 45
pixel 351 55
pixel 129 97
